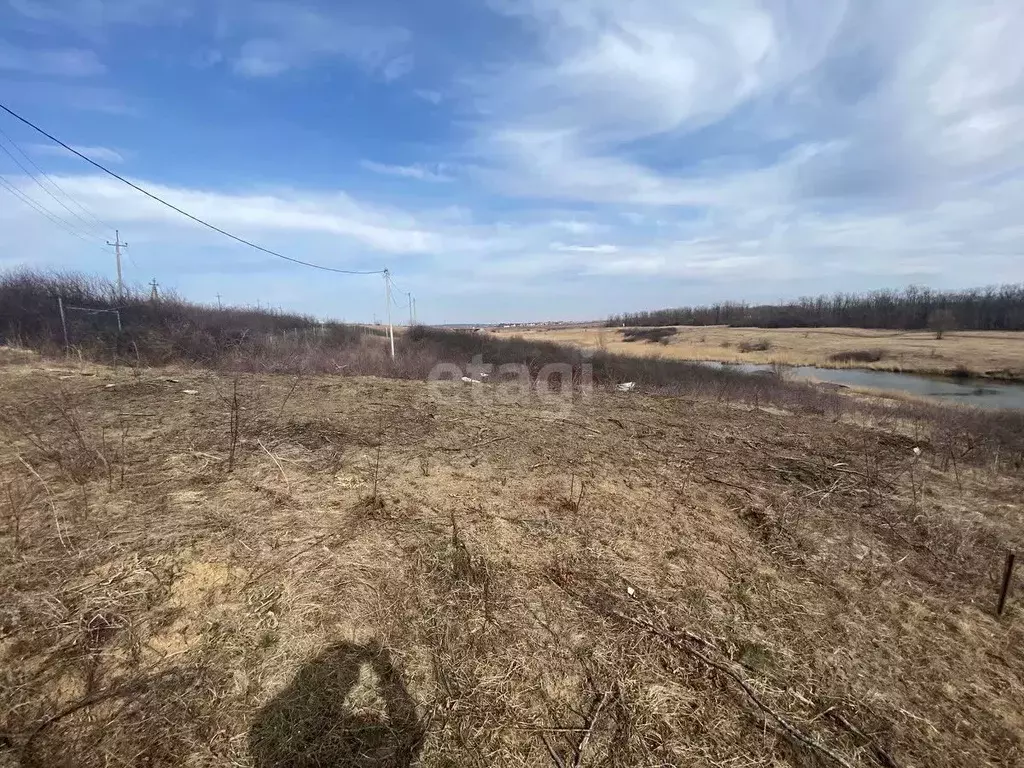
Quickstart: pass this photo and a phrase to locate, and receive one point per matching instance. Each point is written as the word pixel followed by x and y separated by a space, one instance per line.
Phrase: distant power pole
pixel 154 295
pixel 118 245
pixel 414 311
pixel 387 300
pixel 218 302
pixel 411 322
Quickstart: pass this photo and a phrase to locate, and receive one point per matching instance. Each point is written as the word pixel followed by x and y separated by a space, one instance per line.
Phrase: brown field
pixel 205 570
pixel 986 354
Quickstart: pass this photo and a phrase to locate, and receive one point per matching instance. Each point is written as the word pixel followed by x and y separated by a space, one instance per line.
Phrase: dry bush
pixel 760 345
pixel 650 335
pixel 858 356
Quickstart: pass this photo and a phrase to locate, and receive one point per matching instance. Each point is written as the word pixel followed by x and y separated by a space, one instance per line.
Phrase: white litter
pixel 190 391
pixel 628 386
pixel 630 591
pixel 467 380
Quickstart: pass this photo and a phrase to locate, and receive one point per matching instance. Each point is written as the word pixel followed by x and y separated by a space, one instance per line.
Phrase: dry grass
pixel 388 578
pixel 984 353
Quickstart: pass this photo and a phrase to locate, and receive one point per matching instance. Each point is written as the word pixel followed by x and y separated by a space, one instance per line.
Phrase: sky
pixel 512 160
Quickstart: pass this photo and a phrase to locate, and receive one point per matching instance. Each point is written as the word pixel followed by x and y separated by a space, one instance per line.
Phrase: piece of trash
pixel 169 380
pixel 190 391
pixel 485 375
pixel 628 386
pixel 917 451
pixel 630 591
pixel 467 380
pixel 109 386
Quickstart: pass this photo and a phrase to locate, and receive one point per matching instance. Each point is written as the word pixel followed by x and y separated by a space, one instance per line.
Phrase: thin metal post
pixel 387 297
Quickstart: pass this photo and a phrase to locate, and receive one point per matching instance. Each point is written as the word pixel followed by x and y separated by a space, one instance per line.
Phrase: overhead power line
pixel 94 223
pixel 27 200
pixel 87 231
pixel 184 213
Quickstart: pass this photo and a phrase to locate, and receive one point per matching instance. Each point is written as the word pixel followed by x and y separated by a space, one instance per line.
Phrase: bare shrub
pixel 960 371
pixel 858 356
pixel 760 345
pixel 941 321
pixel 650 335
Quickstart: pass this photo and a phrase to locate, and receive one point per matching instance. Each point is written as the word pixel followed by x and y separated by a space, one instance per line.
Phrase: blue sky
pixel 523 159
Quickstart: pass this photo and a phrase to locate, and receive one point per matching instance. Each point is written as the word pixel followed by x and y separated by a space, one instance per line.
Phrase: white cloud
pixel 384 230
pixel 282 37
pixel 419 171
pixel 58 62
pixel 397 68
pixel 572 248
pixel 575 227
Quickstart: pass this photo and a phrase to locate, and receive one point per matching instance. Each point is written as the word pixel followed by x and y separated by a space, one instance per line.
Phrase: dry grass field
pixel 206 570
pixel 983 353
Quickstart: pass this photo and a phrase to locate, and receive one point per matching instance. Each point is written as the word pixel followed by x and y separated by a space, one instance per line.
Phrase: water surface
pixel 982 393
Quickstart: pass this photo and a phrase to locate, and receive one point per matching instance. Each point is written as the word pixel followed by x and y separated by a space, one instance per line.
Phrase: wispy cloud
pixel 419 171
pixel 575 248
pixel 434 97
pixel 57 62
pixel 284 37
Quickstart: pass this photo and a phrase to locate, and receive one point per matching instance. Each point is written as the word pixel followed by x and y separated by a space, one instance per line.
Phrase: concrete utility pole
pixel 387 298
pixel 411 321
pixel 218 302
pixel 154 295
pixel 414 311
pixel 118 245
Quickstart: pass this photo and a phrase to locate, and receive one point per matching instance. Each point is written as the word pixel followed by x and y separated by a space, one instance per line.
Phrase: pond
pixel 982 393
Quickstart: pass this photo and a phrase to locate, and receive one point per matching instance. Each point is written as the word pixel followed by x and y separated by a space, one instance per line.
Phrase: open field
pixel 254 570
pixel 984 353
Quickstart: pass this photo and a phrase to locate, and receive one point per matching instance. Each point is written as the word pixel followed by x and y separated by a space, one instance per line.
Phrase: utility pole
pixel 409 297
pixel 387 297
pixel 218 302
pixel 154 295
pixel 414 311
pixel 118 245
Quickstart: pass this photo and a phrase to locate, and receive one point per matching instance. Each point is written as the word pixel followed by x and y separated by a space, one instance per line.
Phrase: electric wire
pixel 95 222
pixel 6 184
pixel 184 213
pixel 88 228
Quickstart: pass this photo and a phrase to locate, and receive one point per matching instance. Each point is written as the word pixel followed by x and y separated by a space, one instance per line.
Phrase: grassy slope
pixel 481 609
pixel 992 354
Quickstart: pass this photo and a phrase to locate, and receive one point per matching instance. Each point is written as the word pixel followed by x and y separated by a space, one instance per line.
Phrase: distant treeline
pixel 980 309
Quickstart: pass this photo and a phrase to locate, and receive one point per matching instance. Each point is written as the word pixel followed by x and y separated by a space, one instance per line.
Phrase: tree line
pixel 996 308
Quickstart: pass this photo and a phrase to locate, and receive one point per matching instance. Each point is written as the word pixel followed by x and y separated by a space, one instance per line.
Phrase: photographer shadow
pixel 312 723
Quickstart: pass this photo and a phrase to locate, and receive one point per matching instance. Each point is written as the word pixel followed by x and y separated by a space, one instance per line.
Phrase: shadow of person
pixel 314 723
